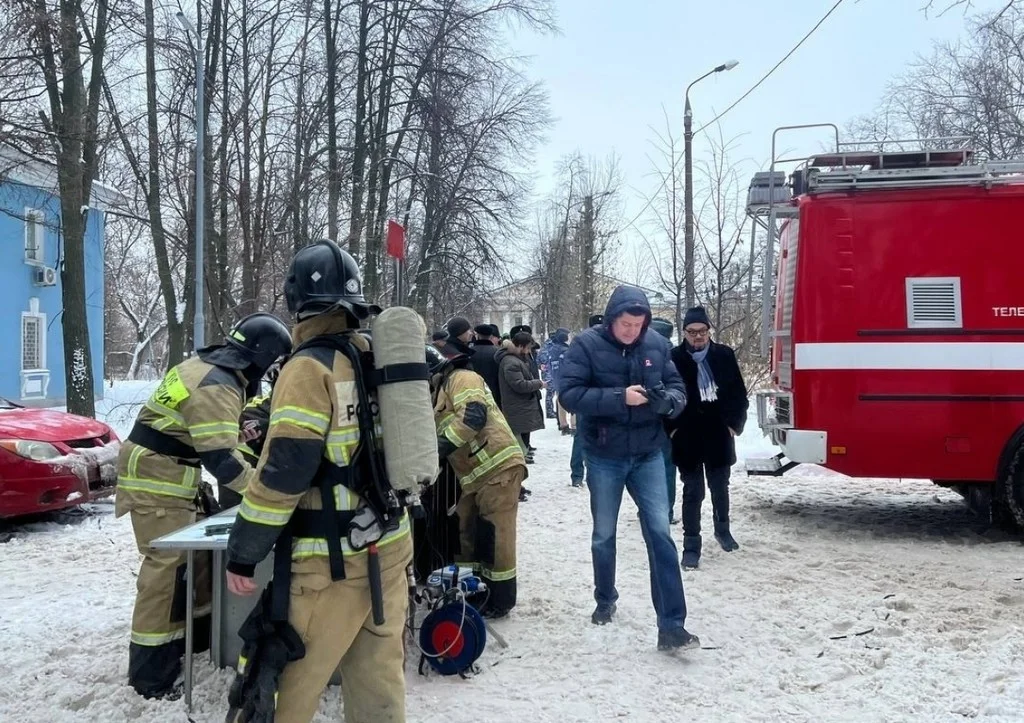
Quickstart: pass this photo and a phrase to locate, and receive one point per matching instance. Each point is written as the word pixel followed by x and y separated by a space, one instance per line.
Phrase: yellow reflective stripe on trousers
pixel 486 465
pixel 498 575
pixel 302 418
pixel 306 547
pixel 262 515
pixel 153 639
pixel 212 429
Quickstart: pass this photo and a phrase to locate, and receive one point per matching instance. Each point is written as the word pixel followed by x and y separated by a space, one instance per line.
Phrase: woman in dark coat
pixel 520 390
pixel 703 436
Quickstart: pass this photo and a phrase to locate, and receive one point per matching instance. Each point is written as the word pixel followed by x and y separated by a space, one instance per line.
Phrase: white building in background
pixel 511 305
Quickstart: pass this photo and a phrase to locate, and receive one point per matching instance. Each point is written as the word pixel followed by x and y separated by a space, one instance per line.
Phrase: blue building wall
pixel 17 291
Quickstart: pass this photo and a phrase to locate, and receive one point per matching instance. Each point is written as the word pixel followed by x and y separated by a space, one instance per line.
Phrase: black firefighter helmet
pixel 324 277
pixel 261 339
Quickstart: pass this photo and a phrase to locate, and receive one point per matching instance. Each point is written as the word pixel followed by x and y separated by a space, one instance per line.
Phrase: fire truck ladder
pixel 859 171
pixel 768 200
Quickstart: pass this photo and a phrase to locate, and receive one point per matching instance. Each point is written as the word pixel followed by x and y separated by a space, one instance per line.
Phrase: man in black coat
pixel 460 334
pixel 484 362
pixel 703 436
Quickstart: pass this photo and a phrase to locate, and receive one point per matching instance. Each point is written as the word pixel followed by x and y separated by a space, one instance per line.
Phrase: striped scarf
pixel 705 379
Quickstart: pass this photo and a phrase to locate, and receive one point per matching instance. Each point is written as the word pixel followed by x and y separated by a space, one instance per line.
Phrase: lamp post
pixel 199 328
pixel 688 181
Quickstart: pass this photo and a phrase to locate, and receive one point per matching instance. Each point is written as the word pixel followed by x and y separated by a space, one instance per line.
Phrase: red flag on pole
pixel 396 239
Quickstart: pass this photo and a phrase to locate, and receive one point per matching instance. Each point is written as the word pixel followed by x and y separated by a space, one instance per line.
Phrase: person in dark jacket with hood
pixel 485 363
pixel 621 381
pixel 520 390
pixel 665 328
pixel 704 436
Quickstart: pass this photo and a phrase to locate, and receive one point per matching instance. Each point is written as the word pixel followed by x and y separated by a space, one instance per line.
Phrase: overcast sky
pixel 617 63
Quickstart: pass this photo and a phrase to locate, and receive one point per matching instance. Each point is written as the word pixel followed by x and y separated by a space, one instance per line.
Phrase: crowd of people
pixel 641 412
pixel 304 467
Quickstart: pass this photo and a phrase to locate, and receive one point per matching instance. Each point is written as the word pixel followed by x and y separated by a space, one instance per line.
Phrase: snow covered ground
pixel 869 600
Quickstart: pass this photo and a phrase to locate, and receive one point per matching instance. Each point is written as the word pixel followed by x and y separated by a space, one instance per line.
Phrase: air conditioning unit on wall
pixel 44 276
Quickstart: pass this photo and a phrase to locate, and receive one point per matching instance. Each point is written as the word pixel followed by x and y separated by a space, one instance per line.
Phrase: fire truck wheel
pixel 1008 500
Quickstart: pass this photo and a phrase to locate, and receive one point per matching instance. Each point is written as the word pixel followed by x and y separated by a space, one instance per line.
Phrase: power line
pixel 774 68
pixel 765 77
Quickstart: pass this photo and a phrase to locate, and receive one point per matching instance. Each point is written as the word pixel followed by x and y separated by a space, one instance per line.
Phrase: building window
pixel 33 341
pixel 35 233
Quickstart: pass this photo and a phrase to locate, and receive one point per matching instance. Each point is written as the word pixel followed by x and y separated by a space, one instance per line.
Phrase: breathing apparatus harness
pixel 269 641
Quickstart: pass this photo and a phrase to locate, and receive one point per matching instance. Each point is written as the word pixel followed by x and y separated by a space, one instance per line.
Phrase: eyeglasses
pixel 697 333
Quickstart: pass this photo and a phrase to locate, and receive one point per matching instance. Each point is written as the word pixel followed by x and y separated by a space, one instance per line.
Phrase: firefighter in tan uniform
pixel 489 463
pixel 309 495
pixel 189 424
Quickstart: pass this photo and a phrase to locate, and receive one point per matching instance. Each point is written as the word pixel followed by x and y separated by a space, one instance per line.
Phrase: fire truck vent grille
pixel 934 303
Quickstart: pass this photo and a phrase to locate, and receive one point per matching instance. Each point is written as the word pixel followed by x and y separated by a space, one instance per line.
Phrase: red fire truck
pixel 897 334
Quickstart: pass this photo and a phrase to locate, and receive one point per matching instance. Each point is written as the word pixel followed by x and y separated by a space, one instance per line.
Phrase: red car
pixel 52 460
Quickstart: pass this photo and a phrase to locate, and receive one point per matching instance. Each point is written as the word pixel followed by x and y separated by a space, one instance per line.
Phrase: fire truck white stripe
pixel 955 355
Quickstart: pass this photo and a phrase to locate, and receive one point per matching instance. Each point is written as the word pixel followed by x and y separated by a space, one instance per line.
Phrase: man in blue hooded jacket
pixel 622 383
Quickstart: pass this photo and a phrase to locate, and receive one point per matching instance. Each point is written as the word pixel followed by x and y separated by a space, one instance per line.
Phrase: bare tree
pixel 63 49
pixel 970 89
pixel 667 216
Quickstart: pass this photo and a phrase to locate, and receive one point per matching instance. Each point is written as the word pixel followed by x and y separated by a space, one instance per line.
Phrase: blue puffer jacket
pixel 595 372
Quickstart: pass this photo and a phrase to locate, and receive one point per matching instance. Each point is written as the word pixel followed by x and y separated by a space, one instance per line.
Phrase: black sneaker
pixel 603 614
pixel 677 639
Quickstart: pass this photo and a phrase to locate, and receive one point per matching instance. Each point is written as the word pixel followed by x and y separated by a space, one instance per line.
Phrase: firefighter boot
pixel 720 505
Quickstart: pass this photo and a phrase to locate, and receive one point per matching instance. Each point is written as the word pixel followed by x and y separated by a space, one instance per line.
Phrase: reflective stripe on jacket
pixel 312 418
pixel 197 404
pixel 482 453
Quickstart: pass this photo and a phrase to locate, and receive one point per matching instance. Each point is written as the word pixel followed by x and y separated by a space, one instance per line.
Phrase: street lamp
pixel 688 181
pixel 199 329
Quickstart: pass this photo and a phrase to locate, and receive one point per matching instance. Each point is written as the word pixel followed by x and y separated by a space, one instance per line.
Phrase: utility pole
pixel 688 282
pixel 587 261
pixel 688 252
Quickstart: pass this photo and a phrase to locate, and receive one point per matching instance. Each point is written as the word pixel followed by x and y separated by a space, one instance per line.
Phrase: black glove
pixel 445 447
pixel 268 647
pixel 207 501
pixel 660 401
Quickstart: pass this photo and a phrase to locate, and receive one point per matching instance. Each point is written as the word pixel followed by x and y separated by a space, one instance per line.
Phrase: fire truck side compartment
pixel 921 378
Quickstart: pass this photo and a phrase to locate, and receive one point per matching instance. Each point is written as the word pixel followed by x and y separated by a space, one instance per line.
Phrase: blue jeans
pixel 644 478
pixel 576 468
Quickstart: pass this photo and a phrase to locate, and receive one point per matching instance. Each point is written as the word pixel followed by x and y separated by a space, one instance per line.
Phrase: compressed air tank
pixel 406 410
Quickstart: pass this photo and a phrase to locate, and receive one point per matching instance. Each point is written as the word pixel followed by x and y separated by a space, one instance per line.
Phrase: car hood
pixel 43 425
